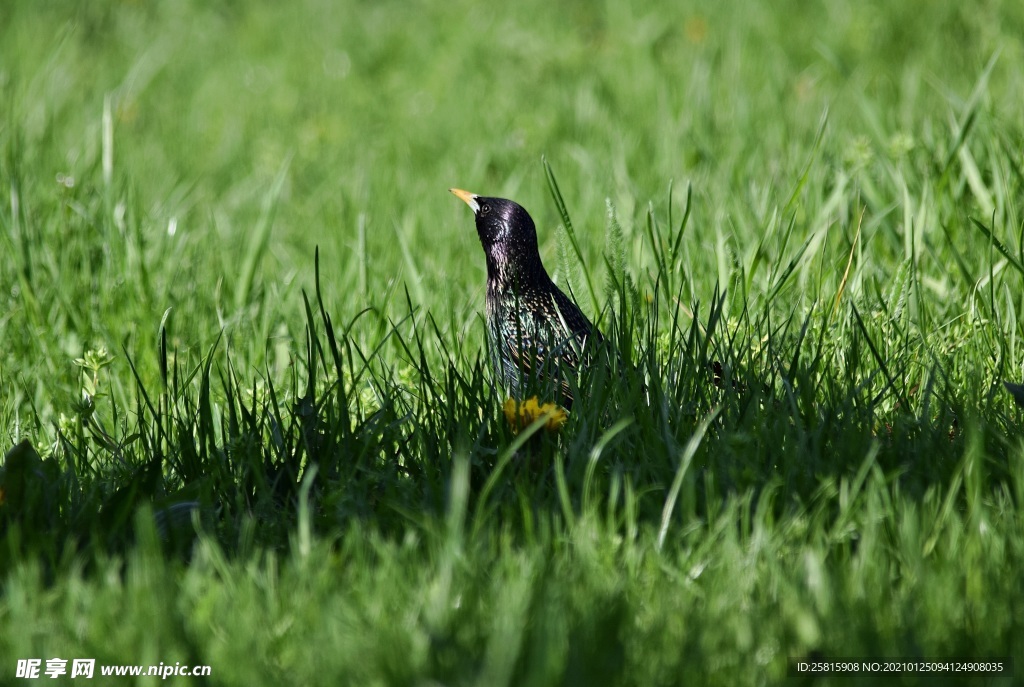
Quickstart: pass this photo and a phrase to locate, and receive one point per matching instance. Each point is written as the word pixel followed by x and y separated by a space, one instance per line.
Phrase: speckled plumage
pixel 536 333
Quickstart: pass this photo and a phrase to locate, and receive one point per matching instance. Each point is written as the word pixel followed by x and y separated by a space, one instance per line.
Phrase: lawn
pixel 245 396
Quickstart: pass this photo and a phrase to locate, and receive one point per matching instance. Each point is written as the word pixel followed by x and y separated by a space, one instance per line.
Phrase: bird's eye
pixel 485 209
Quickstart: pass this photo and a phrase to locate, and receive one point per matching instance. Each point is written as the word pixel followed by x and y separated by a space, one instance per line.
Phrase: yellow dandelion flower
pixel 522 414
pixel 509 408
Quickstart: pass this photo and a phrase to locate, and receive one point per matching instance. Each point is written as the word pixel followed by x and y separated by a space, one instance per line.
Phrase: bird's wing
pixel 547 336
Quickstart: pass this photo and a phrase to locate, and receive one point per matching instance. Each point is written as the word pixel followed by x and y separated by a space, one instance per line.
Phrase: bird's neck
pixel 506 275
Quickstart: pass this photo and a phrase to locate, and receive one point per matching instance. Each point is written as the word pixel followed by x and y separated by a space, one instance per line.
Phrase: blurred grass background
pixel 371 112
pixel 170 169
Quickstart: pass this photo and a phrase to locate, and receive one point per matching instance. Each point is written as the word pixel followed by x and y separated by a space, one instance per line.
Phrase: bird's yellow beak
pixel 467 198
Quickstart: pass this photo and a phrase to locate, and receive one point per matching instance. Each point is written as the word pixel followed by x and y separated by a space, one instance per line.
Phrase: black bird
pixel 537 335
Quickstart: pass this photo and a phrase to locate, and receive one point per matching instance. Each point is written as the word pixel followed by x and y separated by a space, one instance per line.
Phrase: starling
pixel 536 334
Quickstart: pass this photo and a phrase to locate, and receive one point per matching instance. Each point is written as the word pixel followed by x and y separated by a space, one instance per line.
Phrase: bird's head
pixel 507 233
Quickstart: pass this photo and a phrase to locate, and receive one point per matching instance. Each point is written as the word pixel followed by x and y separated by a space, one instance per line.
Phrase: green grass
pixel 243 379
